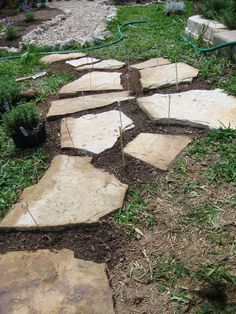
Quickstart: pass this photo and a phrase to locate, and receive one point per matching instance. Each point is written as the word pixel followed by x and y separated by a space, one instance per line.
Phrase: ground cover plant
pixel 180 253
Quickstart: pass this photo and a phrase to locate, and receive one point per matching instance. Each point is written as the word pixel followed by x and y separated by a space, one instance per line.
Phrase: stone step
pixel 103 65
pixel 82 61
pixel 165 75
pixel 94 81
pixel 156 149
pixel 53 282
pixel 194 108
pixel 61 57
pixel 72 191
pixel 94 132
pixel 72 105
pixel 150 63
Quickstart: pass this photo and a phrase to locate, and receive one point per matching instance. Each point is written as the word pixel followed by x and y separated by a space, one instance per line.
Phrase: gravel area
pixel 81 21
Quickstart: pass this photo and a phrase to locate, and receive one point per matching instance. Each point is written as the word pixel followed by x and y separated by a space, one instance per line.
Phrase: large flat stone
pixel 71 191
pixel 93 132
pixel 165 75
pixel 150 63
pixel 79 62
pixel 53 282
pixel 196 108
pixel 71 105
pixel 94 81
pixel 103 65
pixel 156 149
pixel 61 57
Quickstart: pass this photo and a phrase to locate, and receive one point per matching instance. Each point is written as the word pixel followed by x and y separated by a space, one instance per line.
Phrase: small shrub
pixel 174 7
pixel 26 116
pixel 11 32
pixel 10 93
pixel 29 17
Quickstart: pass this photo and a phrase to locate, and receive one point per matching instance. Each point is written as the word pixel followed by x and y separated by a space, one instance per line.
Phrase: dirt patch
pixel 101 243
pixel 23 27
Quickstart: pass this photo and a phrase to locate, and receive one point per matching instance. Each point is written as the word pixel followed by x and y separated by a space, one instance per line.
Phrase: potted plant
pixel 25 125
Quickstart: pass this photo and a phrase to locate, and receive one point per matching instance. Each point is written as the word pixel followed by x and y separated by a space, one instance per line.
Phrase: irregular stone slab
pixel 78 62
pixel 61 57
pixel 71 191
pixel 93 132
pixel 77 104
pixel 195 108
pixel 53 282
pixel 103 65
pixel 94 81
pixel 150 63
pixel 156 149
pixel 198 25
pixel 165 75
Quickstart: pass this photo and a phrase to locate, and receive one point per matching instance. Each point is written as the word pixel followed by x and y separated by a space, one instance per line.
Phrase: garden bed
pixel 23 27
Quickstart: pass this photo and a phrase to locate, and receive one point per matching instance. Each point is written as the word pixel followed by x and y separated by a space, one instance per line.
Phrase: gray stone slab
pixel 94 81
pixel 76 104
pixel 93 132
pixel 53 282
pixel 165 75
pixel 157 150
pixel 72 191
pixel 103 65
pixel 195 108
pixel 82 61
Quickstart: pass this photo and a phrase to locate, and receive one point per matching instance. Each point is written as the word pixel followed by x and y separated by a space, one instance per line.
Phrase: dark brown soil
pixel 18 20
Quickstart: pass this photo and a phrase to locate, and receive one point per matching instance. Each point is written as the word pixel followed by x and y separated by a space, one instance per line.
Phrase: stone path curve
pixel 73 191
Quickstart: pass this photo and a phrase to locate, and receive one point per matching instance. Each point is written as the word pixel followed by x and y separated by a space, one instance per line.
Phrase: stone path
pixel 53 282
pixel 73 191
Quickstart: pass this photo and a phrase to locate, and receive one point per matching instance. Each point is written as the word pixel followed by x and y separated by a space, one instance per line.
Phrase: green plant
pixel 11 32
pixel 10 93
pixel 26 116
pixel 29 17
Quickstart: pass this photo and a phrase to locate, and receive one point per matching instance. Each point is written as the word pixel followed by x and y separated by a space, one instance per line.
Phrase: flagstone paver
pixel 94 81
pixel 103 65
pixel 61 57
pixel 72 191
pixel 93 132
pixel 150 63
pixel 77 104
pixel 82 61
pixel 156 149
pixel 195 108
pixel 53 282
pixel 165 75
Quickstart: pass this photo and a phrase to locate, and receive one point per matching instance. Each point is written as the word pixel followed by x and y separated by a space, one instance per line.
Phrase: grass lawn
pixel 188 215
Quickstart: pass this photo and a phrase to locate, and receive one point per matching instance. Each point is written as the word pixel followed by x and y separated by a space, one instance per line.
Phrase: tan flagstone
pixel 72 191
pixel 150 63
pixel 82 61
pixel 93 132
pixel 77 104
pixel 53 282
pixel 103 65
pixel 61 57
pixel 156 149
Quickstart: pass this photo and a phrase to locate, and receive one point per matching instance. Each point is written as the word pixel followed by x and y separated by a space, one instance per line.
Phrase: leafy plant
pixel 174 7
pixel 10 93
pixel 26 116
pixel 29 17
pixel 11 32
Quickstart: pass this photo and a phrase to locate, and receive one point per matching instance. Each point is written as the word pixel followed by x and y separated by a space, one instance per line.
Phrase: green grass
pixel 161 37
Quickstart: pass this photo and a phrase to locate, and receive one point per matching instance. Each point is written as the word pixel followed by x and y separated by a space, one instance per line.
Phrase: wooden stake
pixel 169 96
pixel 122 146
pixel 177 78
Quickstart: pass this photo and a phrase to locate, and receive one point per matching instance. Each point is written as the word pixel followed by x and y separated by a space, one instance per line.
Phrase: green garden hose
pixel 210 49
pixel 119 30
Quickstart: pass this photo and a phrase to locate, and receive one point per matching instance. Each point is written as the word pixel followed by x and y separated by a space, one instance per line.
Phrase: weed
pixel 11 32
pixel 29 17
